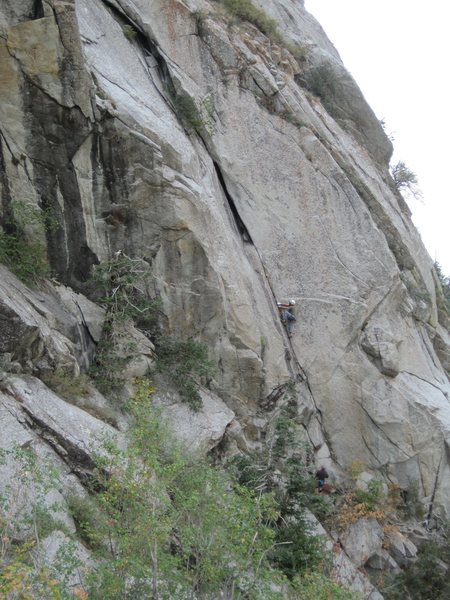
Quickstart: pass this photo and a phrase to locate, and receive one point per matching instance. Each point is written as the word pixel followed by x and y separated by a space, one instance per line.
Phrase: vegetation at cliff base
pixel 160 523
pixel 428 578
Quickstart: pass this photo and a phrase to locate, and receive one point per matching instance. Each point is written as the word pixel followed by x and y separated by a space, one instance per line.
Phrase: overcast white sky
pixel 398 51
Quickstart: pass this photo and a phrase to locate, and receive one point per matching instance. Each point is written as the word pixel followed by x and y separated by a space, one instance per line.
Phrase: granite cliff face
pixel 242 175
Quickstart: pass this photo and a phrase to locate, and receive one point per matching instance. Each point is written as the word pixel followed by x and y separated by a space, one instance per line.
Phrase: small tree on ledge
pixel 405 180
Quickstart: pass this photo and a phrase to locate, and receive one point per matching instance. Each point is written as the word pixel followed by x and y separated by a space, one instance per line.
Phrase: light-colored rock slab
pixel 77 435
pixel 198 431
pixel 362 539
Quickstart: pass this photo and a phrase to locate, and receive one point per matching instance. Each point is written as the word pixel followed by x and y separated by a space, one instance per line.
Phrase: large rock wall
pixel 166 131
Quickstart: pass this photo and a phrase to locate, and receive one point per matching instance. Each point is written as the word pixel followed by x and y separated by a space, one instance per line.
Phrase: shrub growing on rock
pixel 187 363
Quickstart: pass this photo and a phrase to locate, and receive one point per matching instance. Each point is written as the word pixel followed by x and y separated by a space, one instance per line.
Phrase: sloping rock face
pixel 242 176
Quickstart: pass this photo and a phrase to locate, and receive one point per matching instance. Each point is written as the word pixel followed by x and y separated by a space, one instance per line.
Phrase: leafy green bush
pixel 199 117
pixel 372 496
pixel 282 470
pixel 123 286
pixel 25 519
pixel 22 248
pixel 25 258
pixel 188 112
pixel 129 32
pixel 172 525
pixel 186 362
pixel 163 523
pixel 296 549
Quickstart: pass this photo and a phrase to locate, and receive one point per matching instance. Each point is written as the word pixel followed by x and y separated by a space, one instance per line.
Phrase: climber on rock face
pixel 287 318
pixel 321 475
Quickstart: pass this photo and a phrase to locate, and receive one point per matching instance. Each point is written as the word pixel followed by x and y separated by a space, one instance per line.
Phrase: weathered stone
pixel 202 430
pixel 344 571
pixel 137 350
pixel 37 47
pixel 28 460
pixel 207 157
pixel 29 332
pixel 381 560
pixel 380 344
pixel 402 550
pixel 362 539
pixel 86 313
pixel 73 433
pixel 54 545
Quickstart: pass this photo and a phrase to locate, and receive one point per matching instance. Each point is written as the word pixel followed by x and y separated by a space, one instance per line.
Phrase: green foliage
pixel 314 586
pixel 199 117
pixel 297 550
pixel 405 180
pixel 25 519
pixel 22 248
pixel 299 52
pixel 26 259
pixel 107 371
pixel 67 385
pixel 171 525
pixel 283 471
pixel 246 11
pixel 129 32
pixel 187 110
pixel 162 523
pixel 372 496
pixel 22 580
pixel 87 517
pixel 123 284
pixel 186 362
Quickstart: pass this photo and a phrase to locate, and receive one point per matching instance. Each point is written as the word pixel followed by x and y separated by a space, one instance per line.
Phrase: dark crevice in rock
pixel 175 98
pixel 436 481
pixel 145 42
pixel 240 225
pixel 38 10
pixel 270 401
pixel 80 463
pixel 425 381
pixel 297 373
pixel 5 190
pixel 376 427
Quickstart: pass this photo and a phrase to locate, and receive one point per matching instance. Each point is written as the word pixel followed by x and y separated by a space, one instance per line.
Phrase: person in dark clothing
pixel 321 475
pixel 287 318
